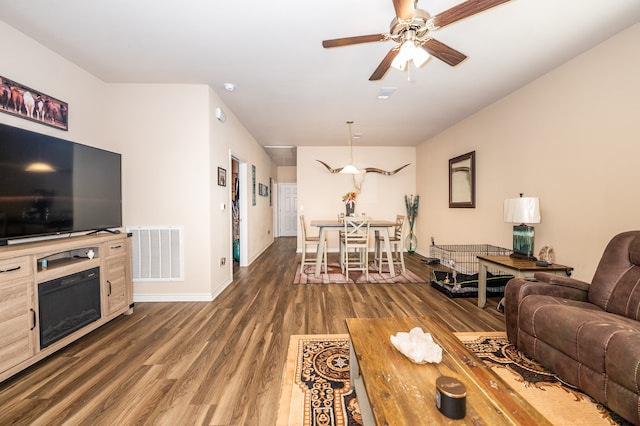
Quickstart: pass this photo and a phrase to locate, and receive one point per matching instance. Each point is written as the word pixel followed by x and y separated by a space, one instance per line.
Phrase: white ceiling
pixel 292 91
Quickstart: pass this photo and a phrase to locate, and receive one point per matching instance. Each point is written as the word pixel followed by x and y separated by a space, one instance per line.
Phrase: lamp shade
pixel 522 210
pixel 410 51
pixel 350 169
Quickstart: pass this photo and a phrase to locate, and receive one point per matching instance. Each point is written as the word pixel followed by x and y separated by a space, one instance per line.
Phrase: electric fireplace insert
pixel 67 304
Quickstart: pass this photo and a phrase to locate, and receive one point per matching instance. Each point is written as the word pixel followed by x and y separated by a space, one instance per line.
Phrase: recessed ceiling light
pixel 229 87
pixel 386 92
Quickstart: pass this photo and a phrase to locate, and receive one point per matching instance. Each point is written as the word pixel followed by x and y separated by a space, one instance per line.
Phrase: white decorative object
pixel 90 254
pixel 418 346
pixel 547 254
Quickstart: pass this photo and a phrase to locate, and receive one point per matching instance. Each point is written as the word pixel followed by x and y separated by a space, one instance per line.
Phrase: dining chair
pixel 309 258
pixel 354 245
pixel 340 235
pixel 395 243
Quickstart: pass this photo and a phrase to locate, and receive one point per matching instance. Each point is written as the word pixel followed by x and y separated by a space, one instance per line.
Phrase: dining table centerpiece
pixel 349 200
pixel 411 203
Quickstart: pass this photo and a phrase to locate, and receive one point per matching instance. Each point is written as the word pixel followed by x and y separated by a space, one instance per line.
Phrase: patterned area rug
pixel 316 390
pixel 559 402
pixel 315 385
pixel 334 276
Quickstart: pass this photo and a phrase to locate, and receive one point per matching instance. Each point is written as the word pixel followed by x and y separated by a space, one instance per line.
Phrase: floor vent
pixel 157 253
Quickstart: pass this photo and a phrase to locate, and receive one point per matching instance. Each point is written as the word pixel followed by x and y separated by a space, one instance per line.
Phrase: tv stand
pixel 99 230
pixel 25 266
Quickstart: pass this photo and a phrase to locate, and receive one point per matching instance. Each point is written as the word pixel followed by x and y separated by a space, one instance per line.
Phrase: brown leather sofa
pixel 588 334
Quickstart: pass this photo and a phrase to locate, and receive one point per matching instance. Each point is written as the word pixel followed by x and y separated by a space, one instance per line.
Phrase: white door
pixel 288 201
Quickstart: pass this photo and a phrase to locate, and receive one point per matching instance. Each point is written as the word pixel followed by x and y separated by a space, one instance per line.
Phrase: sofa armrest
pixel 555 279
pixel 543 283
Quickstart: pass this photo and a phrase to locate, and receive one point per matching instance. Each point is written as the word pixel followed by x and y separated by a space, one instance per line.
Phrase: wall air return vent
pixel 157 253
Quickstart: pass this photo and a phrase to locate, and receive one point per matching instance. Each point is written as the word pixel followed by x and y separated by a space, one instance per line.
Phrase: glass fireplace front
pixel 67 304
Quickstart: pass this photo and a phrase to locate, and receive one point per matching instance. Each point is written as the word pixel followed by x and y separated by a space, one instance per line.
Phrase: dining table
pixel 376 225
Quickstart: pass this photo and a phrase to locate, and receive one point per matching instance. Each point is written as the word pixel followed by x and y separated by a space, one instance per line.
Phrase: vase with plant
pixel 349 200
pixel 411 203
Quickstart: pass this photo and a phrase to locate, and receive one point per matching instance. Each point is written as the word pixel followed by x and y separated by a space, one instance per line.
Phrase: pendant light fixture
pixel 350 169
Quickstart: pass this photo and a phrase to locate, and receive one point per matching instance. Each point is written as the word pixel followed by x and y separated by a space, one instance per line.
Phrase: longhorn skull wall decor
pixel 358 179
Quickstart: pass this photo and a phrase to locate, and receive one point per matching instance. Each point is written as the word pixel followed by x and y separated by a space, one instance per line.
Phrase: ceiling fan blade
pixel 405 9
pixel 463 10
pixel 443 52
pixel 346 41
pixel 384 65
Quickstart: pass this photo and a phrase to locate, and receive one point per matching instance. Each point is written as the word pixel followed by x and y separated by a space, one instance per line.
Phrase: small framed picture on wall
pixel 222 177
pixel 253 185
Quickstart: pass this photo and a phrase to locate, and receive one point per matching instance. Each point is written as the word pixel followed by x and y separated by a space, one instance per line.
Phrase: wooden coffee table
pixel 392 390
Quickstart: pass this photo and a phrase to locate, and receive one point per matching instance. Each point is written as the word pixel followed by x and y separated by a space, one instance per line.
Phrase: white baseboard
pixel 219 290
pixel 173 297
pixel 185 297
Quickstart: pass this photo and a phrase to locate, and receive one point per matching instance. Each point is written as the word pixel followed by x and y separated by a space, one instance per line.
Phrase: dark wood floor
pixel 216 363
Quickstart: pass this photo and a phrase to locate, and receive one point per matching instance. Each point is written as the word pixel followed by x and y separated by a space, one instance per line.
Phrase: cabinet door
pixel 116 283
pixel 17 322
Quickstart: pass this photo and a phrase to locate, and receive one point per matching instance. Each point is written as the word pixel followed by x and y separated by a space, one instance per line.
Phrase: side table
pixel 520 268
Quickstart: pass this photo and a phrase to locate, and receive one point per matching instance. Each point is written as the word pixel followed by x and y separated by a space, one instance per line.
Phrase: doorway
pixel 288 207
pixel 235 212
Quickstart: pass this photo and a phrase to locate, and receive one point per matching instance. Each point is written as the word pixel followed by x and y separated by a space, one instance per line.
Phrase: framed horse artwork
pixel 24 102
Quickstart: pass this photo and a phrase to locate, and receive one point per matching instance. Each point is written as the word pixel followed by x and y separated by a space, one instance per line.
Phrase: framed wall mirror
pixel 462 181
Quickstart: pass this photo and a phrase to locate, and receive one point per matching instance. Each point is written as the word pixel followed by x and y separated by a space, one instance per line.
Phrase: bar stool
pixel 395 243
pixel 354 245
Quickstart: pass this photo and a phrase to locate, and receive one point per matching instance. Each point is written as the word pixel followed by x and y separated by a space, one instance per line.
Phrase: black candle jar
pixel 451 397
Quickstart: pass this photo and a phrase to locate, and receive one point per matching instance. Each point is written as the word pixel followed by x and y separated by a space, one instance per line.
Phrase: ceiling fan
pixel 411 28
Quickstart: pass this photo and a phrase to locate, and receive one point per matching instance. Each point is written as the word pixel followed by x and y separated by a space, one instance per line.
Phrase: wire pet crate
pixel 462 257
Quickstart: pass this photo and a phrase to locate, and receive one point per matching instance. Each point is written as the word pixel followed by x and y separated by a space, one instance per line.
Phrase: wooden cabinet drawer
pixel 17 320
pixel 115 248
pixel 17 267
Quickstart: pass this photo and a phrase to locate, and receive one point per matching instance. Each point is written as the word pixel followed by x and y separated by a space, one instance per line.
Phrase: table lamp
pixel 522 210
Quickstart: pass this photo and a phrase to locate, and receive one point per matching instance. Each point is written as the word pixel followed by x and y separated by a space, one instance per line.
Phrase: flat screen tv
pixel 53 186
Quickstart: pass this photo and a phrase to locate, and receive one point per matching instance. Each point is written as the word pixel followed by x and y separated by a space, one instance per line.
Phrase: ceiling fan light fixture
pixel 409 51
pixel 399 64
pixel 411 28
pixel 420 56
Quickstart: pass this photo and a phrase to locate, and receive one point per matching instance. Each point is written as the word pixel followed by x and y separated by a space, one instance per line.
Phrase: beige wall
pixel 287 174
pixel 382 197
pixel 28 63
pixel 231 138
pixel 569 138
pixel 166 172
pixel 171 148
pixel 171 158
